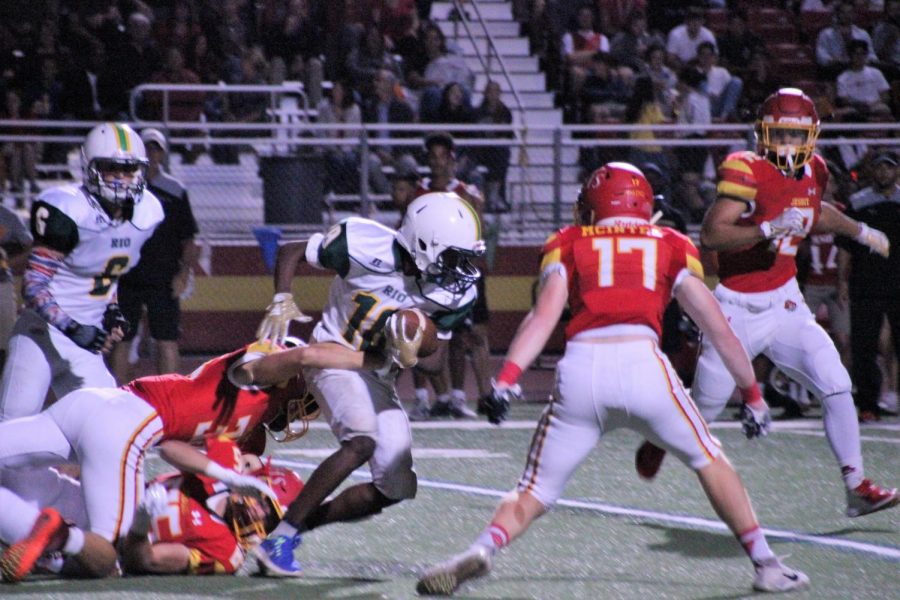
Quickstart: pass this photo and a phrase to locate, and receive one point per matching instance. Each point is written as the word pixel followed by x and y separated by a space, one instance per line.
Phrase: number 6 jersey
pixel 97 250
pixel 370 285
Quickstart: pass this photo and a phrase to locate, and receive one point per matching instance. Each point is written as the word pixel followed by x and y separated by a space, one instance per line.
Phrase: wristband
pixel 766 229
pixel 863 232
pixel 218 472
pixel 751 395
pixel 509 373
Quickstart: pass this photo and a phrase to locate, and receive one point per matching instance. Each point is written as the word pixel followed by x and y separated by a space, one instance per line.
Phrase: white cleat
pixel 775 577
pixel 443 579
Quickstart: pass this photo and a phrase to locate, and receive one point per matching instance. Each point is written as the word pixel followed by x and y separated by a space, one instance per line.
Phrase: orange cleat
pixel 48 533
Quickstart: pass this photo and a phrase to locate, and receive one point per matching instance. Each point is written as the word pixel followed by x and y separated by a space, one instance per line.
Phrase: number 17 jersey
pixel 619 274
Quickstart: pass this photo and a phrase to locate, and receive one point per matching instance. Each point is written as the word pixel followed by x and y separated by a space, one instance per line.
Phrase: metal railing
pixel 230 198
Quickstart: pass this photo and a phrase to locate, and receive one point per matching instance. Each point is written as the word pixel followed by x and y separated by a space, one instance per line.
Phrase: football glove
pixel 152 505
pixel 247 485
pixel 755 422
pixel 279 315
pixel 403 350
pixel 113 318
pixel 790 222
pixel 496 405
pixel 86 336
pixel 874 239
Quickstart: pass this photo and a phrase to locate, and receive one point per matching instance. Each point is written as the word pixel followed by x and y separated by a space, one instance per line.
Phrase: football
pixel 429 336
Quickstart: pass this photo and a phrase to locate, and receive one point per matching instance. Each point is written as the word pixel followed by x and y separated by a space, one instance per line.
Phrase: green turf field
pixel 613 537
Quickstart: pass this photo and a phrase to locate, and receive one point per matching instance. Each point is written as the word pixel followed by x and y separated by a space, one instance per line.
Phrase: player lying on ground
pixel 109 430
pixel 617 273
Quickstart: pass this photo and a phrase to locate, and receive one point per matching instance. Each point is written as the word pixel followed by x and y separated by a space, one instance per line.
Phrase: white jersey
pixel 370 285
pixel 97 250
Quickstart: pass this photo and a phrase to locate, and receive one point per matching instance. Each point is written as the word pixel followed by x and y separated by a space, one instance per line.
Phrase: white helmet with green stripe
pixel 113 164
pixel 442 232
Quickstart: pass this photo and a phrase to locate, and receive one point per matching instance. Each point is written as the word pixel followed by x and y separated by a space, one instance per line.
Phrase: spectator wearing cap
pixel 683 40
pixel 872 283
pixel 862 91
pixel 163 276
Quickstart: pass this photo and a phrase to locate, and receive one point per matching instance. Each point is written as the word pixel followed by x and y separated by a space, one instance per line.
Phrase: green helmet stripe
pixel 122 138
pixel 474 216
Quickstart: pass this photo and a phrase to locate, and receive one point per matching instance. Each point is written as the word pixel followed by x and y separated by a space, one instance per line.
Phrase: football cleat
pixel 868 498
pixel 276 556
pixel 440 408
pixel 776 577
pixel 421 411
pixel 443 579
pixel 648 459
pixel 459 410
pixel 49 533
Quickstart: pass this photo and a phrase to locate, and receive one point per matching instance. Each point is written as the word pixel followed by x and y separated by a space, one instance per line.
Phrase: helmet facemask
pixel 116 193
pixel 453 270
pixel 292 422
pixel 773 141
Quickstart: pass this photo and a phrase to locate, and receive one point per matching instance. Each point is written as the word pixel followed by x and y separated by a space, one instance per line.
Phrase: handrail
pixel 492 45
pixel 273 91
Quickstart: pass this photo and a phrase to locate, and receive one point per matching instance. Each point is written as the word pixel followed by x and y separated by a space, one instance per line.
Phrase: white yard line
pixel 886 552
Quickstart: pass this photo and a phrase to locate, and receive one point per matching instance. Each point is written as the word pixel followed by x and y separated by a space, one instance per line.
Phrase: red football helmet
pixel 787 129
pixel 286 484
pixel 617 189
pixel 252 520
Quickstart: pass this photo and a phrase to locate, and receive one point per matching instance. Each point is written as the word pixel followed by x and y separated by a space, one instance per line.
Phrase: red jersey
pixel 751 178
pixel 619 274
pixel 823 260
pixel 207 403
pixel 214 548
pixel 466 191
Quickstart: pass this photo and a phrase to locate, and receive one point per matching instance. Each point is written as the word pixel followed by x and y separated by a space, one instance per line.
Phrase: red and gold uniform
pixel 207 403
pixel 758 290
pixel 110 429
pixel 214 548
pixel 768 192
pixel 620 276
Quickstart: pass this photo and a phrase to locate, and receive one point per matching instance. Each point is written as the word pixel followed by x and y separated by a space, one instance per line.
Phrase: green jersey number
pixel 366 304
pixel 115 266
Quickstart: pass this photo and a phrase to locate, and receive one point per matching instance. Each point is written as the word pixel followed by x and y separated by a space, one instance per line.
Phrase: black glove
pixel 496 404
pixel 113 317
pixel 87 336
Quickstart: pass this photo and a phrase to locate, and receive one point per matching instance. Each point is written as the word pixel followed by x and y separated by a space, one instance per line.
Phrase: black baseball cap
pixel 888 157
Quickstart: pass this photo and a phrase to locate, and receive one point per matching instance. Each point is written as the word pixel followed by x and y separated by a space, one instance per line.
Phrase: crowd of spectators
pixel 387 63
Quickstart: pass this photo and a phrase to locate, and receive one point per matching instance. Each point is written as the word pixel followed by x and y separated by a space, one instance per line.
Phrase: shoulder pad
pixel 73 202
pixel 148 213
pixel 370 244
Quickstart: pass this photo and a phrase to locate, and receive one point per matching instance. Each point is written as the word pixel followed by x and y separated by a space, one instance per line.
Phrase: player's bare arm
pixel 538 325
pixel 720 230
pixel 283 309
pixel 277 367
pixel 834 221
pixel 140 556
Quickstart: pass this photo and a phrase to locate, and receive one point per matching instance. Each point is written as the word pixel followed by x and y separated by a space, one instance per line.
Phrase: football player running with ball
pixel 85 237
pixel 769 201
pixel 425 265
pixel 617 272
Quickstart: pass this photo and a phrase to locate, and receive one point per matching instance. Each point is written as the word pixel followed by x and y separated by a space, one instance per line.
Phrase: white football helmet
pixel 114 147
pixel 442 232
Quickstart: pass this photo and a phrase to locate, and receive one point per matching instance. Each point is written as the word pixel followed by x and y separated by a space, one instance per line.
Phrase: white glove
pixel 242 484
pixel 154 503
pixel 279 314
pixel 404 350
pixel 874 239
pixel 790 222
pixel 755 421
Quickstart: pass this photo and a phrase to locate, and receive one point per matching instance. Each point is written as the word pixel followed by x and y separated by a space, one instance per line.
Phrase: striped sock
pixel 755 545
pixel 494 538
